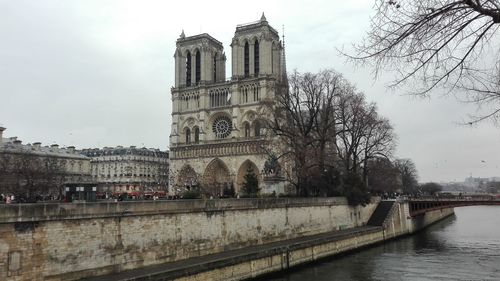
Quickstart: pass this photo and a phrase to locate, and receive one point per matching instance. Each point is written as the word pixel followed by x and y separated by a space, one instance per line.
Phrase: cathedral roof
pixel 256 25
pixel 189 39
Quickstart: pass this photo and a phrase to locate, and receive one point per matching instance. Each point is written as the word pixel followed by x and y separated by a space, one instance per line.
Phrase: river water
pixel 464 247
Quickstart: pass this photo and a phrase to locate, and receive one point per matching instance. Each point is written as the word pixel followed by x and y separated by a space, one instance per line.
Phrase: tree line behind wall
pixel 30 176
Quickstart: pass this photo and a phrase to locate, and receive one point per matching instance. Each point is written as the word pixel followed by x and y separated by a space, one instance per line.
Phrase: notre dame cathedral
pixel 217 124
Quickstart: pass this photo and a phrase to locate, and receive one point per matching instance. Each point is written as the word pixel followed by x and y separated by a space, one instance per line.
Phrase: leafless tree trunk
pixel 31 175
pixel 449 44
pixel 409 175
pixel 379 141
pixel 8 180
pixel 302 119
pixel 361 133
pixel 55 176
pixel 383 176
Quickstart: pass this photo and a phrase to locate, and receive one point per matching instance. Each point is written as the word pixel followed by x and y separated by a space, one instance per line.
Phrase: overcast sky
pixel 99 73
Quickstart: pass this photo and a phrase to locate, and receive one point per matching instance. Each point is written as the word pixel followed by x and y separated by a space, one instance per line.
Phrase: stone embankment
pixel 189 240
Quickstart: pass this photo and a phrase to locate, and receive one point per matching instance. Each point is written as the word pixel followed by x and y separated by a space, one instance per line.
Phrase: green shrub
pixel 191 194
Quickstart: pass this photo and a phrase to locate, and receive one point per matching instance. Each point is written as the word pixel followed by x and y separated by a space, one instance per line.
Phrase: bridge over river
pixel 421 205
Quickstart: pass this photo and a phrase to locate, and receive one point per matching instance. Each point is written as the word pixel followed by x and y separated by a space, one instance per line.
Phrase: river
pixel 464 247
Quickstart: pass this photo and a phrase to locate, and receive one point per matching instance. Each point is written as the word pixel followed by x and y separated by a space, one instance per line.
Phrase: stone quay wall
pixel 397 224
pixel 400 223
pixel 72 241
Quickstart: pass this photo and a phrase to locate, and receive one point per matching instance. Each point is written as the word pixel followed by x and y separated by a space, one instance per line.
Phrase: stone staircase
pixel 381 212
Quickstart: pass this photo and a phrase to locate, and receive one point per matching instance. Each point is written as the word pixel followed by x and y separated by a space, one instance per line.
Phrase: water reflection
pixel 463 247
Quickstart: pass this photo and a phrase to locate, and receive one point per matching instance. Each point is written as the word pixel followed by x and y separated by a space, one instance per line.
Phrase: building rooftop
pixel 200 37
pixel 14 145
pixel 120 150
pixel 255 25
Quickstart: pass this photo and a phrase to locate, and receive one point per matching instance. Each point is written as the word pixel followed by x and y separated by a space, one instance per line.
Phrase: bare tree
pixel 320 121
pixel 379 140
pixel 31 175
pixel 302 119
pixel 383 176
pixel 8 181
pixel 28 169
pixel 439 43
pixel 352 120
pixel 326 121
pixel 409 175
pixel 54 172
pixel 361 133
pixel 431 188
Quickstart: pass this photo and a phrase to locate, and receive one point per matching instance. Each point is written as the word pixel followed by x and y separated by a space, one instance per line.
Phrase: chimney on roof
pixel 37 145
pixel 54 147
pixel 1 134
pixel 71 149
pixel 17 142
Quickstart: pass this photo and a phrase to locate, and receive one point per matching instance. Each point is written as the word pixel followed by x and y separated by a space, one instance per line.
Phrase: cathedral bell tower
pixel 199 59
pixel 256 50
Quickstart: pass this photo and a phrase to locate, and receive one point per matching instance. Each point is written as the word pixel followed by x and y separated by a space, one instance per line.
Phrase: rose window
pixel 222 127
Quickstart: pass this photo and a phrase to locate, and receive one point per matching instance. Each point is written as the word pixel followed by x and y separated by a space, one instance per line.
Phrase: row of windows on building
pixel 220 97
pixel 121 168
pixel 125 175
pixel 187 133
pixel 122 171
pixel 197 64
pixel 121 159
pixel 189 101
pixel 256 132
pixel 250 93
pixel 249 132
pixel 128 165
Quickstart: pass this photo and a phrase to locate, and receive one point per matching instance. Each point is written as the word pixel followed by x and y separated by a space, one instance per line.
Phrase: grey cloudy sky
pixel 98 73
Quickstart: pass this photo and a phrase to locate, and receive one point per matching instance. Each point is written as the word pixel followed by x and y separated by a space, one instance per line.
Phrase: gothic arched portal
pixel 216 177
pixel 187 177
pixel 242 171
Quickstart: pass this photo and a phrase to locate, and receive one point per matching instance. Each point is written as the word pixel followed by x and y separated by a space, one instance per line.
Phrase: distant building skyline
pixel 128 169
pixel 111 169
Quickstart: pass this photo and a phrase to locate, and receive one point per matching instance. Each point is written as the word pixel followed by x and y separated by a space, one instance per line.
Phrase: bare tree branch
pixel 438 44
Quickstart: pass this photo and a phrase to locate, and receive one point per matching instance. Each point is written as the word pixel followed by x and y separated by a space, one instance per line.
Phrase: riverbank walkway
pixel 196 265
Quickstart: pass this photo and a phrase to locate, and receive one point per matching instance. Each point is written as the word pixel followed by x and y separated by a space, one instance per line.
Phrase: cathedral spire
pixel 283 56
pixel 263 17
pixel 182 36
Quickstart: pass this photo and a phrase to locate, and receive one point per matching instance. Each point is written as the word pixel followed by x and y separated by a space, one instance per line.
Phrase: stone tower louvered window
pixel 188 135
pixel 215 67
pixel 257 129
pixel 272 58
pixel 188 69
pixel 256 57
pixel 247 60
pixel 247 130
pixel 198 67
pixel 196 134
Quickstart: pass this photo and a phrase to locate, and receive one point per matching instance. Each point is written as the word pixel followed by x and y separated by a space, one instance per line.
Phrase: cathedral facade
pixel 218 124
